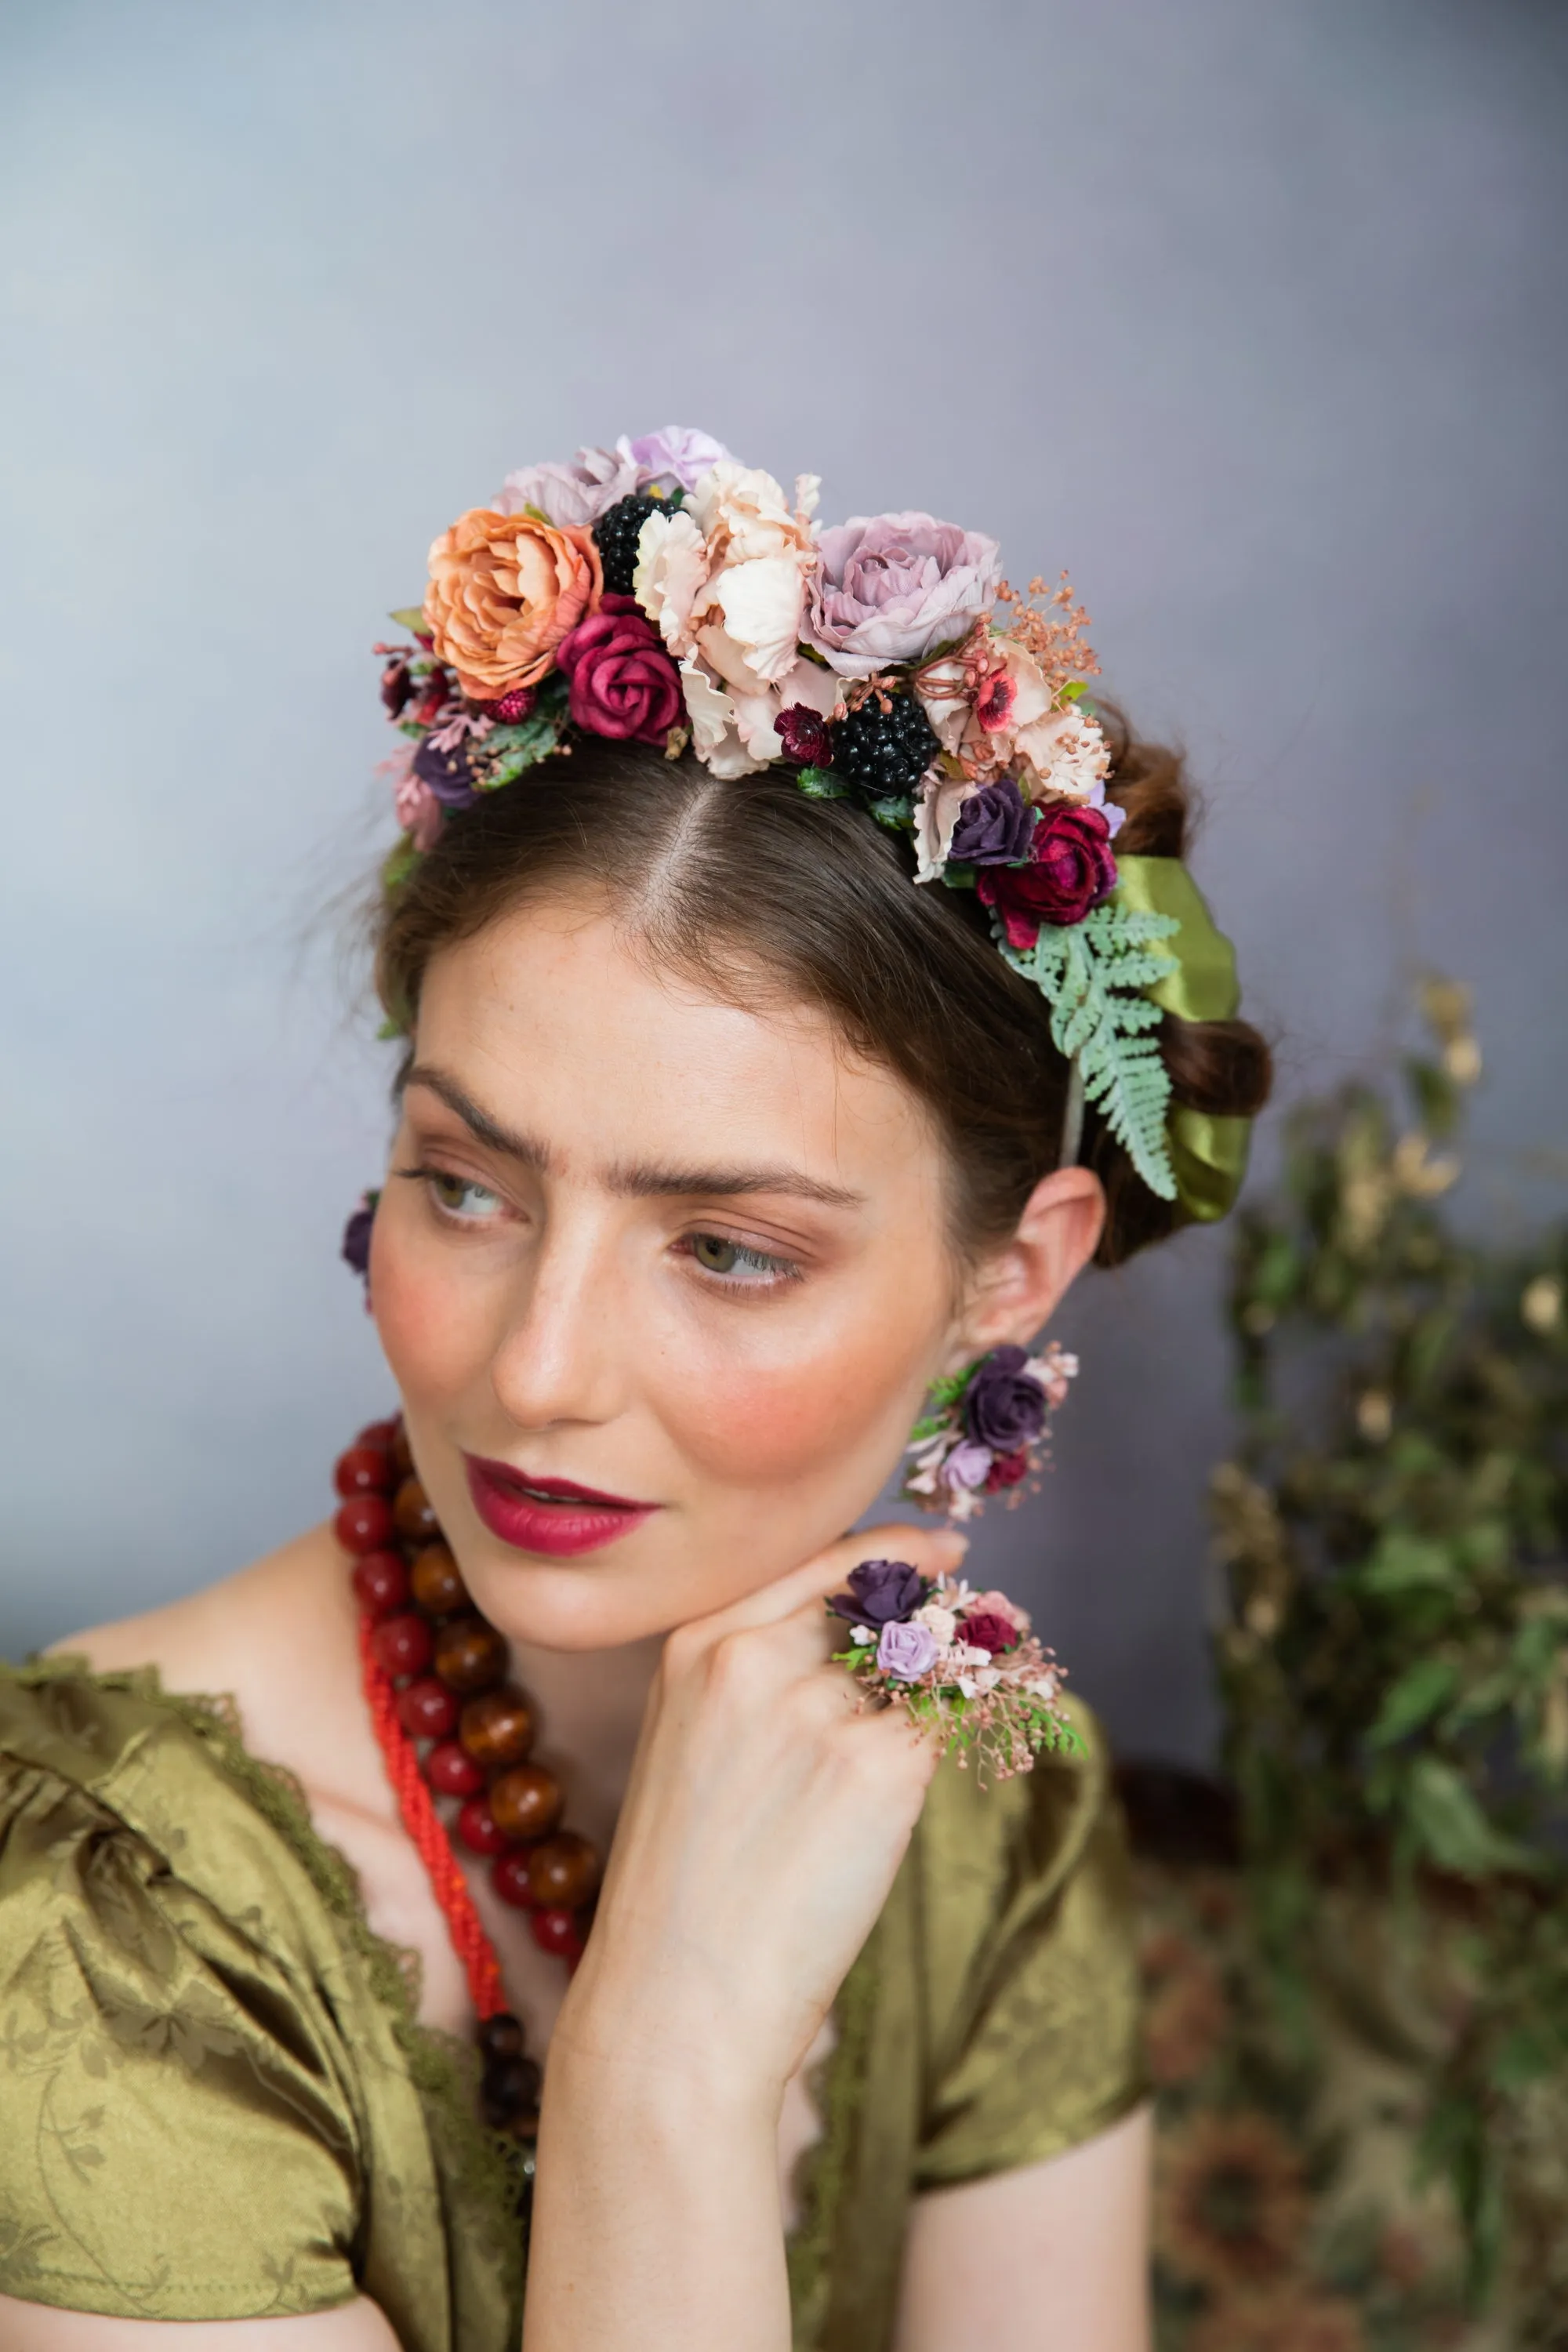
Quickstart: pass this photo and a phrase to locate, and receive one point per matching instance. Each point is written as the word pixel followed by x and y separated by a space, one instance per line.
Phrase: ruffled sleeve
pixel 1031 1969
pixel 181 2135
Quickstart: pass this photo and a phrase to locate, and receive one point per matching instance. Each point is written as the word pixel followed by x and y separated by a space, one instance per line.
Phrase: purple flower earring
pixel 985 1429
pixel 356 1240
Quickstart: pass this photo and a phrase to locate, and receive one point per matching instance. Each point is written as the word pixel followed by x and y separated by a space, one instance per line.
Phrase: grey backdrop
pixel 1252 314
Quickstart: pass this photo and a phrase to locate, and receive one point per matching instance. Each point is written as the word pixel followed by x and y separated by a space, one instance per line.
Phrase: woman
pixel 723 1140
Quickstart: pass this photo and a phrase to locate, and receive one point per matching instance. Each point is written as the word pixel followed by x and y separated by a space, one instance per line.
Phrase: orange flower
pixel 1232 2210
pixel 1295 2321
pixel 504 590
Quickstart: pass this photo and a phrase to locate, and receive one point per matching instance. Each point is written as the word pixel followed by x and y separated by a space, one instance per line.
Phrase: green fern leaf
pixel 1093 974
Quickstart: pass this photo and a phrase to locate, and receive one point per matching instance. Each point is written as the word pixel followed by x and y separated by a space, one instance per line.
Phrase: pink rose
pixel 621 682
pixel 891 588
pixel 1070 870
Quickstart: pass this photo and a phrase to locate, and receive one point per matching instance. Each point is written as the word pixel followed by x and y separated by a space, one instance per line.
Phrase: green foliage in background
pixel 1393 1634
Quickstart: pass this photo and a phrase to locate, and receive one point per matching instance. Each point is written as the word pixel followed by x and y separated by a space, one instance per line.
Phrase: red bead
pixel 401 1645
pixel 452 1771
pixel 380 1582
pixel 479 1828
pixel 378 1433
pixel 363 1470
pixel 509 1876
pixel 556 1931
pixel 427 1709
pixel 364 1523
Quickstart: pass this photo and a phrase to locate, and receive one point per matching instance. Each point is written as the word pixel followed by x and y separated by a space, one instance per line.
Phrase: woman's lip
pixel 554 1515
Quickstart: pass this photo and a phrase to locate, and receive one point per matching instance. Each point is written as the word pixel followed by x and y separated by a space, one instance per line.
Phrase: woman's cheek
pixel 433 1331
pixel 769 1424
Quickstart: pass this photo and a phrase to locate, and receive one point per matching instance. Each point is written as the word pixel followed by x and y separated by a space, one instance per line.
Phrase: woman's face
pixel 688 1258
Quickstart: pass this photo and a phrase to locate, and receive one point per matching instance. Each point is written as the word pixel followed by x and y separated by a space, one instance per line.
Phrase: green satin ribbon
pixel 1208 1155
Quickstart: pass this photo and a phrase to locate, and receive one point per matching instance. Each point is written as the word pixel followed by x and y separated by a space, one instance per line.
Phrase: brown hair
pixel 759 892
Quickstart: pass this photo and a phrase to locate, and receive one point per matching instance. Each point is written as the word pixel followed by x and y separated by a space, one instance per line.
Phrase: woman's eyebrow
pixel 637 1181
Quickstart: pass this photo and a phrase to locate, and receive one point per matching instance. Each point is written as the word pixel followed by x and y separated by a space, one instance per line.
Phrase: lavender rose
pixel 880 1591
pixel 1004 1405
pixel 890 588
pixel 906 1651
pixel 574 494
pixel 994 826
pixel 621 682
pixel 676 457
pixel 1071 869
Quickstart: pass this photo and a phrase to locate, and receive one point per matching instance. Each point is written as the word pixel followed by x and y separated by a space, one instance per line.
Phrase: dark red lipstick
pixel 549 1514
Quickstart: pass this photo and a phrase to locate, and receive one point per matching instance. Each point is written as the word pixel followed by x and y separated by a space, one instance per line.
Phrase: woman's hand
pixel 766 1816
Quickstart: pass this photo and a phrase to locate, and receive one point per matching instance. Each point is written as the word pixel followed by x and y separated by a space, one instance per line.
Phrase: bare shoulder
pixel 278 1638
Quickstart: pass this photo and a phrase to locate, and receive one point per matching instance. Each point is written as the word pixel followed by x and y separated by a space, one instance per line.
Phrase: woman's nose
pixel 559 1357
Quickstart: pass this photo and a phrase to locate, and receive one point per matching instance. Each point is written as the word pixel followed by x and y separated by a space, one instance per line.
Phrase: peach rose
pixel 504 590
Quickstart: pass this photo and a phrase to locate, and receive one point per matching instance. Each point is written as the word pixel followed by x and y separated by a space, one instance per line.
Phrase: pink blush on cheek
pixel 766 1429
pixel 424 1335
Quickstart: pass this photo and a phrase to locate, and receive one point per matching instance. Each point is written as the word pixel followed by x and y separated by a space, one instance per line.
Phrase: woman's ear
pixel 1016 1288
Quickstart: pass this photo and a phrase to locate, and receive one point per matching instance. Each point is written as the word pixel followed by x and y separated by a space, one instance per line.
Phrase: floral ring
pixel 961 1664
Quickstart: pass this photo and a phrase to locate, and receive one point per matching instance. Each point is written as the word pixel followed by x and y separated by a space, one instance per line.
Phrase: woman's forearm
pixel 656 2223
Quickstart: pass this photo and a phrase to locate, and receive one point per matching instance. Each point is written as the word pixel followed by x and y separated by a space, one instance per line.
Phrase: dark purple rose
pixel 986 1630
pixel 994 827
pixel 396 686
pixel 805 736
pixel 450 774
pixel 1004 1405
pixel 1070 870
pixel 881 1592
pixel 622 682
pixel 356 1235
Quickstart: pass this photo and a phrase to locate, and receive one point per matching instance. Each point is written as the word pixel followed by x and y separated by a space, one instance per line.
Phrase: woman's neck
pixel 589 1705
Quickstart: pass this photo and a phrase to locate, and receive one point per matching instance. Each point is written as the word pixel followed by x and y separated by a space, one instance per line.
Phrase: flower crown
pixel 662 592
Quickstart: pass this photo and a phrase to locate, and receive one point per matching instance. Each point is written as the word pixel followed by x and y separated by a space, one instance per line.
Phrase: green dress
pixel 216 2104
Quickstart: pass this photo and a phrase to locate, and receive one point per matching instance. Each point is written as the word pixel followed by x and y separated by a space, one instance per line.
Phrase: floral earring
pixel 355 1252
pixel 985 1430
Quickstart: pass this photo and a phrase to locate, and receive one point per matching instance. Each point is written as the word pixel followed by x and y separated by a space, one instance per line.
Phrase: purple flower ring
pixel 906 1651
pixel 881 1592
pixel 1004 1405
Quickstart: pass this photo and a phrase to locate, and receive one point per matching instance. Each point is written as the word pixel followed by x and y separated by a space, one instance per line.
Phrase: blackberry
pixel 884 752
pixel 616 537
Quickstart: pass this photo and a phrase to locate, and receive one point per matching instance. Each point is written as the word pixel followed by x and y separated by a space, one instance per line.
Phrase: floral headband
pixel 662 592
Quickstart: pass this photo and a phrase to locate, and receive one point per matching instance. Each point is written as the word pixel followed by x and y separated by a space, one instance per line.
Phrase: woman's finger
pixel 934 1551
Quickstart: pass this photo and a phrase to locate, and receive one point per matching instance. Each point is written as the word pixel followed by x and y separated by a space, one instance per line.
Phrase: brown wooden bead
pixel 417 1522
pixel 436 1582
pixel 526 1802
pixel 469 1655
pixel 501 2036
pixel 563 1872
pixel 498 1729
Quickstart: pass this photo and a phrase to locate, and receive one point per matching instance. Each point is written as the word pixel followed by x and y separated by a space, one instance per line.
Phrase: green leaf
pixel 1093 975
pixel 822 784
pixel 1406 1563
pixel 408 616
pixel 1447 1824
pixel 391 1028
pixel 508 750
pixel 1414 1698
pixel 896 811
pixel 959 876
pixel 399 864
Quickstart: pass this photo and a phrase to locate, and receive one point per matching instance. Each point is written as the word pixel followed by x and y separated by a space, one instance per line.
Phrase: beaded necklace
pixel 451 1726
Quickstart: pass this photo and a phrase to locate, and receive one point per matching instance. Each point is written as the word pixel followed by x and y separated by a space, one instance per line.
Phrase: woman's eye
pixel 459 1196
pixel 736 1262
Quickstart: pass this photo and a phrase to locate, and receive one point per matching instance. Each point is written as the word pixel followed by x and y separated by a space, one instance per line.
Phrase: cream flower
pixel 1062 746
pixel 715 733
pixel 937 1620
pixel 936 813
pixel 747 620
pixel 671 573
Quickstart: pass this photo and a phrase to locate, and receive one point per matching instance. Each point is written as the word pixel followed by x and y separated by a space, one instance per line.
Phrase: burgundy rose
pixel 1004 1405
pixel 805 736
pixel 622 684
pixel 397 688
pixel 881 1592
pixel 1070 870
pixel 994 827
pixel 1006 1471
pixel 986 1630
